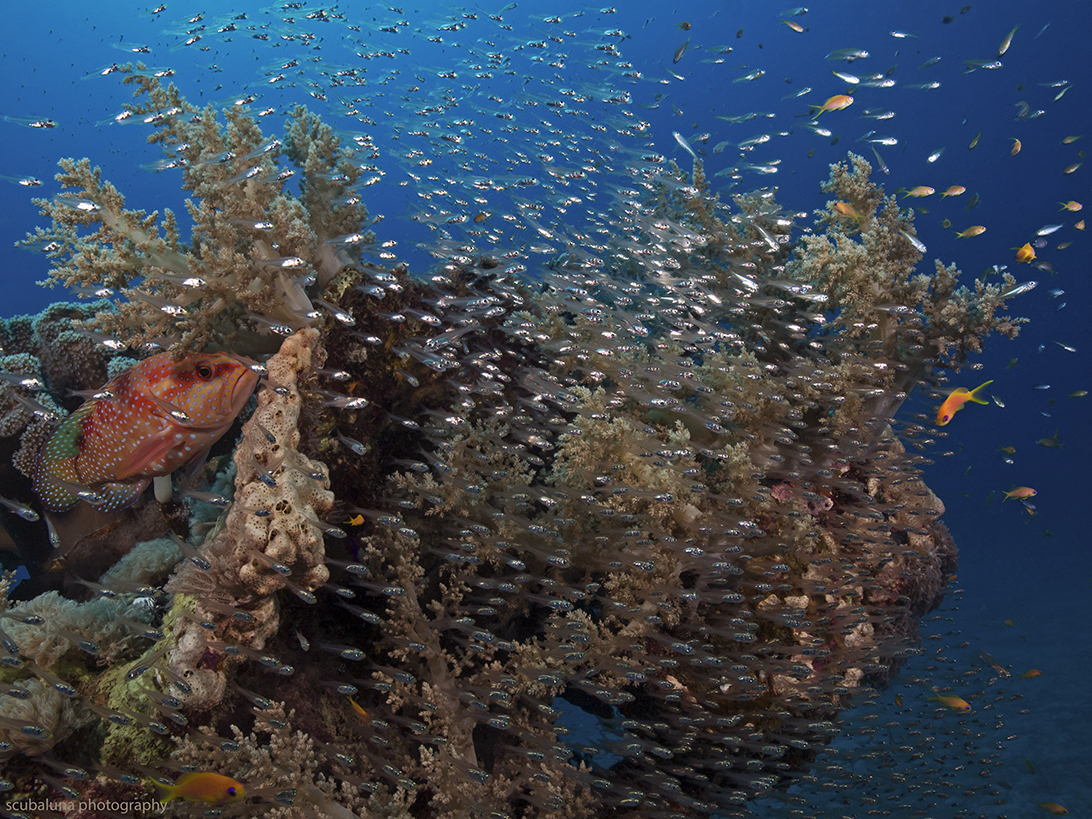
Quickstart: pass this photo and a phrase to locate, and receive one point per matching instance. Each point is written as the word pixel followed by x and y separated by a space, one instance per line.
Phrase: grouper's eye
pixel 204 372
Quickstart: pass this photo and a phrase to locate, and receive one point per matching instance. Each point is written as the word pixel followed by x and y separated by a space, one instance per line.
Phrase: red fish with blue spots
pixel 150 420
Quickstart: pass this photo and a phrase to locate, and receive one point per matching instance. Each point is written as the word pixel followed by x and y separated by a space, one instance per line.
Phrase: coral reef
pixel 662 487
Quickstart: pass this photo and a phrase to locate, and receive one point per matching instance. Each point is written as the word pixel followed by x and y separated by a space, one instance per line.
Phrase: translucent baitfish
pixel 151 419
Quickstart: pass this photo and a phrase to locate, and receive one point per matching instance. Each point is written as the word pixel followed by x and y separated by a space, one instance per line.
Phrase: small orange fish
pixel 835 103
pixel 1080 225
pixel 1031 672
pixel 1016 146
pixel 847 209
pixel 920 191
pixel 1025 254
pixel 951 701
pixel 898 700
pixel 799 29
pixel 1053 807
pixel 685 26
pixel 1009 623
pixel 203 786
pixel 973 230
pixel 955 401
pixel 1071 205
pixel 355 520
pixel 1020 492
pixel 955 190
pixel 359 712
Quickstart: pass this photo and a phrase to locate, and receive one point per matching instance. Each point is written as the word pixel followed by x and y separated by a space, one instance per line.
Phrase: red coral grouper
pixel 150 420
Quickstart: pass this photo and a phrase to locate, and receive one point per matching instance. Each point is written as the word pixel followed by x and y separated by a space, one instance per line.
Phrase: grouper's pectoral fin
pixel 118 495
pixel 149 451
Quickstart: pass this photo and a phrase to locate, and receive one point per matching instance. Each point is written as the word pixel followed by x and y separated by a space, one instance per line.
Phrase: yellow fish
pixel 1053 807
pixel 973 230
pixel 1016 146
pixel 847 209
pixel 1020 492
pixel 1071 205
pixel 955 401
pixel 1032 672
pixel 359 712
pixel 951 701
pixel 1006 43
pixel 920 191
pixel 955 190
pixel 203 786
pixel 835 103
pixel 1025 254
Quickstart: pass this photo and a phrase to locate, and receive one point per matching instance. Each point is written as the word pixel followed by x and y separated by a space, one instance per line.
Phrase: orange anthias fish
pixel 954 190
pixel 847 209
pixel 204 786
pixel 1025 254
pixel 955 401
pixel 973 230
pixel 1020 492
pixel 359 712
pixel 153 418
pixel 1053 807
pixel 835 103
pixel 920 191
pixel 951 701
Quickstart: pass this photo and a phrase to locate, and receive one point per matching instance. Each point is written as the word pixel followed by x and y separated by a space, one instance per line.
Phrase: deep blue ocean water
pixel 1032 570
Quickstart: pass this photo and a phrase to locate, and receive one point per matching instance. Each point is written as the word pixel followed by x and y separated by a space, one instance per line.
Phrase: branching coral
pixel 868 272
pixel 254 250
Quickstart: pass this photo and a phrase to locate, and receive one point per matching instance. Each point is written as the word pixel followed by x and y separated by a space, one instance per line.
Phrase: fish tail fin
pixel 973 394
pixel 166 792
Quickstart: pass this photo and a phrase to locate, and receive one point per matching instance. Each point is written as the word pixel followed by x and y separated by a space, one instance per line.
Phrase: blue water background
pixel 1033 570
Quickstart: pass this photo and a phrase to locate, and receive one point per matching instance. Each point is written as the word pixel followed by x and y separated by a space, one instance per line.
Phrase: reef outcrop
pixel 621 536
